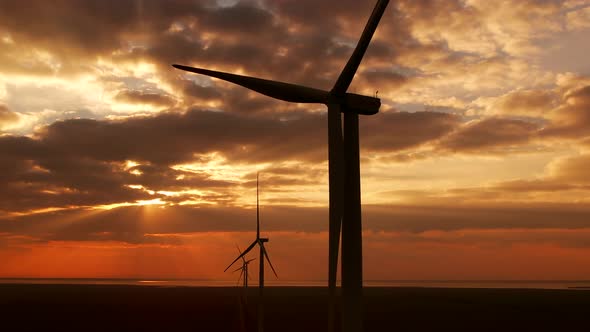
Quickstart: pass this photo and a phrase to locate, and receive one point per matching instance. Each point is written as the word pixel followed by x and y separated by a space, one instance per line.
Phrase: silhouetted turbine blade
pixel 238 269
pixel 284 91
pixel 268 260
pixel 352 66
pixel 248 261
pixel 242 255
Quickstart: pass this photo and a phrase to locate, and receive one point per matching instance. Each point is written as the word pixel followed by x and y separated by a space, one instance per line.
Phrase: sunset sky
pixel 115 164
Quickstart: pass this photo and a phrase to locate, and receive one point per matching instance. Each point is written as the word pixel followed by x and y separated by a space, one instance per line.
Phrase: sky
pixel 116 165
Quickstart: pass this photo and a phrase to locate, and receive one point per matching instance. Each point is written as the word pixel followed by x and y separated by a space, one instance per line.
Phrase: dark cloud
pixel 163 178
pixel 139 97
pixel 135 224
pixel 384 80
pixel 290 41
pixel 192 90
pixel 242 18
pixel 312 14
pixel 393 131
pixel 173 137
pixel 50 181
pixel 527 103
pixel 490 133
pixel 92 27
pixel 82 162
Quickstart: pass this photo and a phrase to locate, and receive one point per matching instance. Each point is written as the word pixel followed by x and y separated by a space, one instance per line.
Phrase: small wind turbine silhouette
pixel 263 254
pixel 343 164
pixel 243 270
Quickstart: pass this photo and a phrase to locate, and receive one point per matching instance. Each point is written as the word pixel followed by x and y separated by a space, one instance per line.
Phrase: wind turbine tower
pixel 260 241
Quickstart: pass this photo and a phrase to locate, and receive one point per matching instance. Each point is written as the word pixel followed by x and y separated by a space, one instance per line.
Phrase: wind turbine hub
pixel 355 103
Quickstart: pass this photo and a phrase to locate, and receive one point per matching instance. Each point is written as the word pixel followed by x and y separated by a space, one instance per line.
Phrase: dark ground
pixel 146 308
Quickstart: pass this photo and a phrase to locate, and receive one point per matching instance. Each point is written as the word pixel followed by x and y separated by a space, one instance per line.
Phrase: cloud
pixel 491 134
pixel 572 118
pixel 83 162
pixel 78 24
pixel 191 89
pixel 579 19
pixel 293 41
pixel 532 103
pixel 482 27
pixel 412 63
pixel 175 137
pixel 392 131
pixel 242 18
pixel 539 185
pixel 135 224
pixel 7 117
pixel 572 170
pixel 563 179
pixel 139 97
pixel 386 80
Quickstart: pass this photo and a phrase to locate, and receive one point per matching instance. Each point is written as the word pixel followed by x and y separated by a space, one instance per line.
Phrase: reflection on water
pixel 533 284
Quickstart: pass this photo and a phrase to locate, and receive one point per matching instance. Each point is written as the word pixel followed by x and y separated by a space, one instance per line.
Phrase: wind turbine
pixel 263 254
pixel 243 270
pixel 343 161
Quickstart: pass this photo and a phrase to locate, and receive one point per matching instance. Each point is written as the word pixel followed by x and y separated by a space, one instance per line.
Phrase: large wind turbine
pixel 263 254
pixel 343 161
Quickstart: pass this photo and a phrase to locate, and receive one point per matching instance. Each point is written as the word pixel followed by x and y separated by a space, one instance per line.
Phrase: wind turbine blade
pixel 248 261
pixel 242 254
pixel 238 269
pixel 268 260
pixel 257 211
pixel 351 67
pixel 284 91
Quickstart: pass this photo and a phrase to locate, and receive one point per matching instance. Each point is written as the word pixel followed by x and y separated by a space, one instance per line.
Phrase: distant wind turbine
pixel 343 161
pixel 243 270
pixel 263 254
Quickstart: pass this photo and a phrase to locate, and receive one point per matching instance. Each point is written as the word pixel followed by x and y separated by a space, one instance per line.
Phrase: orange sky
pixel 114 164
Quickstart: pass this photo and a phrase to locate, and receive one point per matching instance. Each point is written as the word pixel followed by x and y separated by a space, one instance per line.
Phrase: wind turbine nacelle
pixel 360 104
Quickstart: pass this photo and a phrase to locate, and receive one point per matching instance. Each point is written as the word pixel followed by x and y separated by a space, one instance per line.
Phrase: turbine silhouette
pixel 243 270
pixel 263 254
pixel 343 161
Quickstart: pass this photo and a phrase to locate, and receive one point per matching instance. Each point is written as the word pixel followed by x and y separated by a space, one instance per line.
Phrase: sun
pixel 155 201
